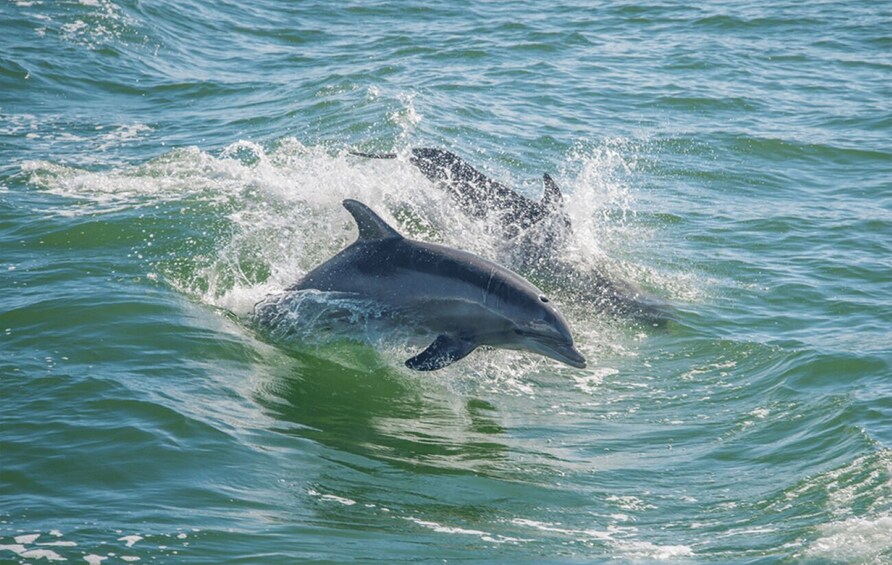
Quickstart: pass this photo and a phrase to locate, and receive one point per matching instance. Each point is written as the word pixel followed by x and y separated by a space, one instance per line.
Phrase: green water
pixel 164 166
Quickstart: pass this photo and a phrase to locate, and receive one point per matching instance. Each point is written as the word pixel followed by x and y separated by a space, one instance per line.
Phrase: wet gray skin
pixel 462 299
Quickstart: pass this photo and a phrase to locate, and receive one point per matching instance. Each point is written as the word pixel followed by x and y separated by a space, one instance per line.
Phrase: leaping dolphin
pixel 479 195
pixel 463 299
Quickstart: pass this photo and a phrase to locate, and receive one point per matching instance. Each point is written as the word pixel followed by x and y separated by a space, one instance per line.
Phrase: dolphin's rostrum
pixel 463 299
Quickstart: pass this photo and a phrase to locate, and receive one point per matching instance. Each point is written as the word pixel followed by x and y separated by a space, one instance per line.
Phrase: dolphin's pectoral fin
pixel 552 196
pixel 445 350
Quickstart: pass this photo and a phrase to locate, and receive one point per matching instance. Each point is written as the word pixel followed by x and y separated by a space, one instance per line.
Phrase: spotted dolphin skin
pixel 479 195
pixel 462 299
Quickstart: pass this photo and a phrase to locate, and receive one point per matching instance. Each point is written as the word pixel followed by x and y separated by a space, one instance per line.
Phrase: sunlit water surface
pixel 166 165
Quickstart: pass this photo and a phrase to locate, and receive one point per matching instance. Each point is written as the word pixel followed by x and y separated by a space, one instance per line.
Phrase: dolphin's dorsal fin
pixel 370 224
pixel 552 196
pixel 445 350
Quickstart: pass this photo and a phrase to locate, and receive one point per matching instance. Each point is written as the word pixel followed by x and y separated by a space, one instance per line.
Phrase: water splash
pixel 264 216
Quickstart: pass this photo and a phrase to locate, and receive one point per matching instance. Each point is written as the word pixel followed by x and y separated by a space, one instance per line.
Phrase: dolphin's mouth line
pixel 554 348
pixel 565 354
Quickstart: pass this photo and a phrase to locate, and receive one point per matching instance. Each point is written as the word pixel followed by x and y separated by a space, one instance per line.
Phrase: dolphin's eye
pixel 543 298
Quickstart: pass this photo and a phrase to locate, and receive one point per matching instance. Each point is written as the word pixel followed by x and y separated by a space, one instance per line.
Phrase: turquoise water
pixel 166 165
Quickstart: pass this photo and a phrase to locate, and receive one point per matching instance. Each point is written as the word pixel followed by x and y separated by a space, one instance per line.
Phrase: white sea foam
pixel 20 548
pixel 455 530
pixel 120 135
pixel 96 23
pixel 338 499
pixel 445 529
pixel 620 539
pixel 647 550
pixel 16 548
pixel 130 540
pixel 407 117
pixel 632 503
pixel 855 540
pixel 590 382
pixel 859 498
pixel 47 554
pixel 332 498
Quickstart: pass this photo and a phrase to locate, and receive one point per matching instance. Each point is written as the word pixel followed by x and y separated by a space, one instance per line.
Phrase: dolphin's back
pixel 399 271
pixel 477 193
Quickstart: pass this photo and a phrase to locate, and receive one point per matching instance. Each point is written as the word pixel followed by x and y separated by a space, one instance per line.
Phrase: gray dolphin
pixel 464 299
pixel 479 195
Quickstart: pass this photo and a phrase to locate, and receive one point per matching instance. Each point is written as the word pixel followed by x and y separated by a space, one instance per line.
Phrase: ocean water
pixel 166 165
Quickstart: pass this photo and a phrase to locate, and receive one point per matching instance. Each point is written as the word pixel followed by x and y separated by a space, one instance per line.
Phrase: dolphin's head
pixel 545 331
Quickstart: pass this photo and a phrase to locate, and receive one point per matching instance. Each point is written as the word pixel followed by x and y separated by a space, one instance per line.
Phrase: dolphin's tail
pixel 374 155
